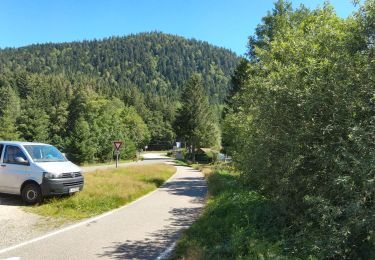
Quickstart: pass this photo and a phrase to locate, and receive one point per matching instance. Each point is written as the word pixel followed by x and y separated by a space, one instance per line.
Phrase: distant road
pixel 149 158
pixel 144 229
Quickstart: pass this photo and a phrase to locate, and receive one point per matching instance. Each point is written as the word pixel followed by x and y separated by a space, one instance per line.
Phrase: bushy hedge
pixel 301 127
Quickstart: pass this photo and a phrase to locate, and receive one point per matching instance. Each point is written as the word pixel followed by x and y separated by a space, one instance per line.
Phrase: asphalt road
pixel 144 229
pixel 149 158
pixel 17 226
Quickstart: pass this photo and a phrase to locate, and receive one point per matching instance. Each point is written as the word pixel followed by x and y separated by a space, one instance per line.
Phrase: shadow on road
pixel 191 187
pixel 10 200
pixel 181 218
pixel 152 247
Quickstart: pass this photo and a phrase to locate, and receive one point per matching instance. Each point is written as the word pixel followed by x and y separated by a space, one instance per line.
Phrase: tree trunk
pixel 193 152
pixel 188 150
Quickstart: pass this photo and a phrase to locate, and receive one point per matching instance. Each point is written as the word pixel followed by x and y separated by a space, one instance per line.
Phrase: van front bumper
pixel 61 186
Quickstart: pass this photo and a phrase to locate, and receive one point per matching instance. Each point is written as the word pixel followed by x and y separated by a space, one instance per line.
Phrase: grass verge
pixel 106 190
pixel 181 163
pixel 113 162
pixel 237 223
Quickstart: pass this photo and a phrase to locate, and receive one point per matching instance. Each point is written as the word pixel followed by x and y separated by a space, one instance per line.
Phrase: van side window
pixel 12 153
pixel 1 149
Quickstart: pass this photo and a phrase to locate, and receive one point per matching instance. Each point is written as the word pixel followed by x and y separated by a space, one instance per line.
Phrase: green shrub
pixel 302 127
pixel 236 224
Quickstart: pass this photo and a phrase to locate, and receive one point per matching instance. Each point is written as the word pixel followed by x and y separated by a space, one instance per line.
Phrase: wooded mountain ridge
pixel 154 62
pixel 80 96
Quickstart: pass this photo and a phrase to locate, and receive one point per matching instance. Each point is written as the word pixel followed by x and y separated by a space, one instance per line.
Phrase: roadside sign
pixel 117 144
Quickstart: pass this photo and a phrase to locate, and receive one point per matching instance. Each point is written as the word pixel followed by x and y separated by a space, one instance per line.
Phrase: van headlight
pixel 50 175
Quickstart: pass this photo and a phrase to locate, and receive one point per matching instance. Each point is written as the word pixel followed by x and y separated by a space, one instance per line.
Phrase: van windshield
pixel 44 153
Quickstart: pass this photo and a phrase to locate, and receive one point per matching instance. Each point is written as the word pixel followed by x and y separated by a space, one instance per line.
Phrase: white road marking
pixel 85 222
pixel 167 252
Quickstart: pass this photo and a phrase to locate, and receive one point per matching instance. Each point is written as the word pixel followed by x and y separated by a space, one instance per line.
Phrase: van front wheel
pixel 31 194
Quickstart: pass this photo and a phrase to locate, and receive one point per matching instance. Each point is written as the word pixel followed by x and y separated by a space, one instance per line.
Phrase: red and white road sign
pixel 117 144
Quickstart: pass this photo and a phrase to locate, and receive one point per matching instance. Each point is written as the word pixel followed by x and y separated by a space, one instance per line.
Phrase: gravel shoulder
pixel 17 225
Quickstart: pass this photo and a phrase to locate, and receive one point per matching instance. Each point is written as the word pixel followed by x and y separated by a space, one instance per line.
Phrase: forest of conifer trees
pixel 80 96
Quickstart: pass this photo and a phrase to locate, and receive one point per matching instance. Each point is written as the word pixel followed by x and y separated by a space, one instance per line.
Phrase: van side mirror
pixel 21 160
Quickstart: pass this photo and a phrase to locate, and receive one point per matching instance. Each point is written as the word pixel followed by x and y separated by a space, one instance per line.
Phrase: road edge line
pixel 84 222
pixel 166 253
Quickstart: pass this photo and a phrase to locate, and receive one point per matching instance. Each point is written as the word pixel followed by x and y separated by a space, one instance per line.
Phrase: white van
pixel 36 170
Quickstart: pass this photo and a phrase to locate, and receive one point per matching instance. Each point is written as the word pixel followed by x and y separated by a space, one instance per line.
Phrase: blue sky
pixel 225 23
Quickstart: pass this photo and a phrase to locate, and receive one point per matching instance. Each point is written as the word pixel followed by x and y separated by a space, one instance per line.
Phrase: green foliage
pixel 154 62
pixel 195 123
pixel 58 123
pixel 123 87
pixel 236 224
pixel 161 131
pixel 9 111
pixel 100 122
pixel 301 127
pixel 134 127
pixel 80 145
pixel 34 121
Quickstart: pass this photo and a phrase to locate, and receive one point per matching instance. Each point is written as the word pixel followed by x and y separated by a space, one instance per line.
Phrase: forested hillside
pixel 154 62
pixel 81 95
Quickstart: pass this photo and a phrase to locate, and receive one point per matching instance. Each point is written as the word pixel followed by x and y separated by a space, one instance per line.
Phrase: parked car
pixel 36 170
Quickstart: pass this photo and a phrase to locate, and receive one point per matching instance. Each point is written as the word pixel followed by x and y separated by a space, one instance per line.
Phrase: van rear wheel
pixel 31 194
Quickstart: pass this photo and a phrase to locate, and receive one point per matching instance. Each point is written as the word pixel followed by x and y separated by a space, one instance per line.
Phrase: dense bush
pixel 301 126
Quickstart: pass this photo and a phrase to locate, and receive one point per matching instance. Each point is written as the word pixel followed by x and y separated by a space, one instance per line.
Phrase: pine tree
pixel 195 122
pixel 9 111
pixel 81 148
pixel 34 121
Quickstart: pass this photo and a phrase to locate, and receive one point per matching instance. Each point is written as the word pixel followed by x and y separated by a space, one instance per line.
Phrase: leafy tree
pixel 302 131
pixel 134 127
pixel 107 120
pixel 161 131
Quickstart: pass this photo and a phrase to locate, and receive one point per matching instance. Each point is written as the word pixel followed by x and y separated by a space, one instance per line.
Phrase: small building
pixel 206 155
pixel 209 155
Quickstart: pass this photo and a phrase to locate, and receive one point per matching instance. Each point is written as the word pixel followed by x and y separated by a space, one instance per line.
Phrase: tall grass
pixel 105 190
pixel 237 224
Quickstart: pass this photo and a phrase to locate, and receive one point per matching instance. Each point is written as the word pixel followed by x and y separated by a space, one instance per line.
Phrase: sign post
pixel 117 145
